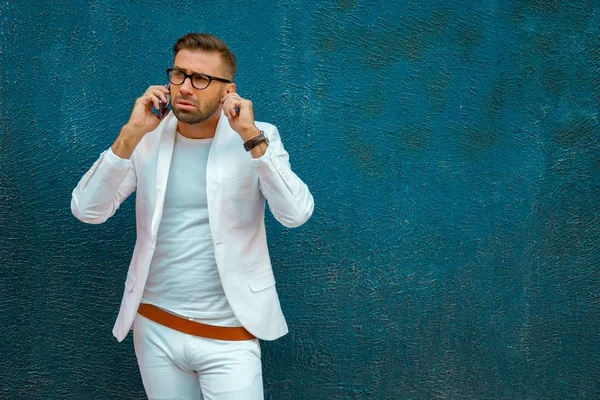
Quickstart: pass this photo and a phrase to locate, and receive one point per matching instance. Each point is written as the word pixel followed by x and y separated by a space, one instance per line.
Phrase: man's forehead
pixel 193 59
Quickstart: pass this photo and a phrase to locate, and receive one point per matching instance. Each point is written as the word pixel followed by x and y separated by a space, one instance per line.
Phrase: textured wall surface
pixel 452 148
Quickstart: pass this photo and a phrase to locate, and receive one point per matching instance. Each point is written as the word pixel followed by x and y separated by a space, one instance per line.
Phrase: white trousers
pixel 178 366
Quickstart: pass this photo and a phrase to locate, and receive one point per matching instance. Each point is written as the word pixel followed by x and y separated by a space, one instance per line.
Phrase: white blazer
pixel 237 186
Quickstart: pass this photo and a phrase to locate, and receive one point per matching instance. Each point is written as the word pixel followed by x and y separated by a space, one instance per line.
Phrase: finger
pixel 230 96
pixel 145 101
pixel 152 92
pixel 161 95
pixel 151 99
pixel 165 92
pixel 151 89
pixel 158 91
pixel 234 107
pixel 243 105
pixel 230 107
pixel 227 107
pixel 225 111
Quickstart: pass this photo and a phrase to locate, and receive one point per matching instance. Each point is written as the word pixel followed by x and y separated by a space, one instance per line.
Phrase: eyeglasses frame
pixel 210 78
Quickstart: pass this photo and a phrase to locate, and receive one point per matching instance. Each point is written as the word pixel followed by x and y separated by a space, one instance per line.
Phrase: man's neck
pixel 203 130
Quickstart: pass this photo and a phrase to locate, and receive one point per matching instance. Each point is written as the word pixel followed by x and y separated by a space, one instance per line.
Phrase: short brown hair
pixel 209 44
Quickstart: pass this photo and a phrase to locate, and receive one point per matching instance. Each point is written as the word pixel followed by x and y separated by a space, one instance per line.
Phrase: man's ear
pixel 230 88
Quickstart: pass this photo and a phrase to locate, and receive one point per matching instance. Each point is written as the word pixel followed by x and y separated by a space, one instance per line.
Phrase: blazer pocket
pixel 262 281
pixel 130 282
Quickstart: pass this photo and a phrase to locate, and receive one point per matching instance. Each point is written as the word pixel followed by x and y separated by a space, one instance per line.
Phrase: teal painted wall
pixel 452 148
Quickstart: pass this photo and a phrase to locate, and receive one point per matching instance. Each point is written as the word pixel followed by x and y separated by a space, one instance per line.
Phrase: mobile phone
pixel 162 107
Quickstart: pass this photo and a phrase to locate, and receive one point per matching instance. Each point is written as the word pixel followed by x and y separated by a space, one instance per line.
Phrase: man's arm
pixel 112 178
pixel 141 121
pixel 289 199
pixel 103 188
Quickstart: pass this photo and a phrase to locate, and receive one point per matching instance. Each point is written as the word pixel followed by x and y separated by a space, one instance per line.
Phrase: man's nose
pixel 186 86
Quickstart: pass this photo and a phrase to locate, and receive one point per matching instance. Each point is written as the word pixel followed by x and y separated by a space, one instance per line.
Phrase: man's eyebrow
pixel 184 70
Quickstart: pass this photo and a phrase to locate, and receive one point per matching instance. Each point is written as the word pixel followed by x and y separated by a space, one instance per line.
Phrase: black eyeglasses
pixel 199 81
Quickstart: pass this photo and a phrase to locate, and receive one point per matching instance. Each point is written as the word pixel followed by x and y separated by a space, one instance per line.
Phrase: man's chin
pixel 191 118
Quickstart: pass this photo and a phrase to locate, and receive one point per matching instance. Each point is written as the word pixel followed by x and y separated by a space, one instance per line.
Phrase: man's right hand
pixel 141 121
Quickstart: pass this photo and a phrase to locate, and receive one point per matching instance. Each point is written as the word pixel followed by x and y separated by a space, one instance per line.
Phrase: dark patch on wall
pixel 381 45
pixel 329 41
pixel 437 87
pixel 377 100
pixel 554 79
pixel 321 92
pixel 574 131
pixel 496 98
pixel 411 137
pixel 371 163
pixel 378 49
pixel 547 6
pixel 346 4
pixel 476 137
pixel 518 13
pixel 592 59
pixel 468 36
pixel 545 42
pixel 417 34
pixel 328 30
pixel 577 16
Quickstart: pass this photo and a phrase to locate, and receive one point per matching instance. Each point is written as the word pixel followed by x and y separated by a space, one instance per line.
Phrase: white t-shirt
pixel 183 277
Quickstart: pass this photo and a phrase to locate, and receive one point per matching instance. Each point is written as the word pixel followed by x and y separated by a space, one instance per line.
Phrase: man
pixel 200 289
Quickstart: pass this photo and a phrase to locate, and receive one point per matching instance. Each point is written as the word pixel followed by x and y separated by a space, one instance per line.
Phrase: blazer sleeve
pixel 289 199
pixel 103 188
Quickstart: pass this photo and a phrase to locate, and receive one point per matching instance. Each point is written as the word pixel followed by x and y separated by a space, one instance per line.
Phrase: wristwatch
pixel 255 141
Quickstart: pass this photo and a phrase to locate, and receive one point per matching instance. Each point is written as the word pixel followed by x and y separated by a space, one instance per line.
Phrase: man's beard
pixel 197 116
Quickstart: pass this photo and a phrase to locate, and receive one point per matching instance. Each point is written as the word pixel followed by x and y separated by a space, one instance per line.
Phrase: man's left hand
pixel 242 119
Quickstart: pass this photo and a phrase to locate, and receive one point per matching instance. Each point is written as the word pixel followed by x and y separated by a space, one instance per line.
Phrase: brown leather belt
pixel 192 327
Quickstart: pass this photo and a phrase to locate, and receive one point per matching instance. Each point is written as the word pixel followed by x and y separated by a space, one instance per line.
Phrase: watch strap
pixel 255 141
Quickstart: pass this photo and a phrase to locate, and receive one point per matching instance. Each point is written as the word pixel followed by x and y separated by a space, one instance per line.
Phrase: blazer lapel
pixel 214 175
pixel 163 165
